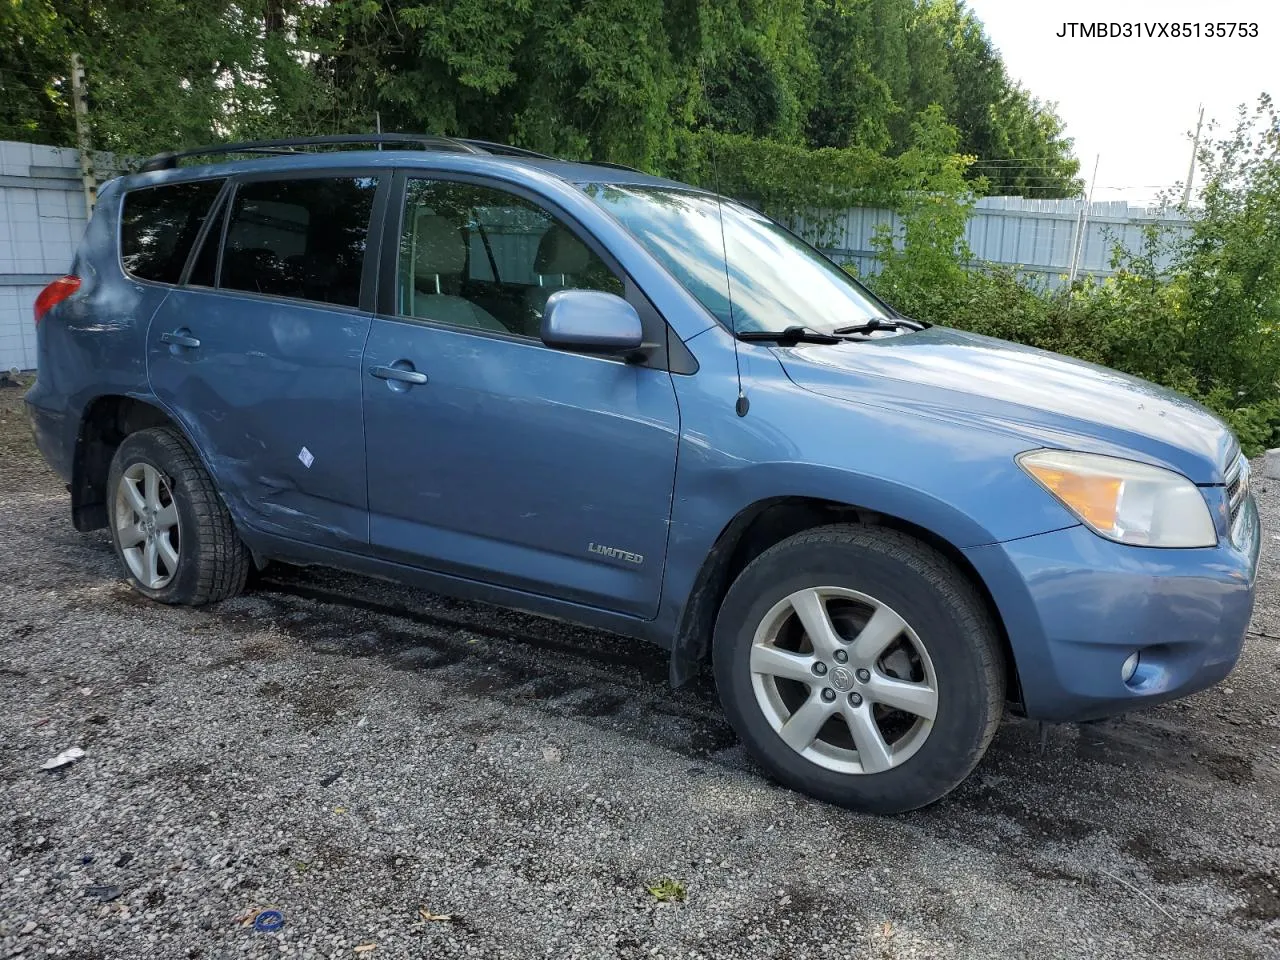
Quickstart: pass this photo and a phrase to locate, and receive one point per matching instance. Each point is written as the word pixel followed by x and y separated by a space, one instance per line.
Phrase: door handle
pixel 180 338
pixel 395 373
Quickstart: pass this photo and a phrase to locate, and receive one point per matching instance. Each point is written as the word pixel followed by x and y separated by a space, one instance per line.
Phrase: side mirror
pixel 591 321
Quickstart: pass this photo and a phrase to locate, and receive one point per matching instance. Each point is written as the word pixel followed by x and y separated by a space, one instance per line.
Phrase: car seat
pixel 440 257
pixel 560 259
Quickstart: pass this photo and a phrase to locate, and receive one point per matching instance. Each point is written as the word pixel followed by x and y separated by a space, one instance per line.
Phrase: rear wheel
pixel 169 526
pixel 860 666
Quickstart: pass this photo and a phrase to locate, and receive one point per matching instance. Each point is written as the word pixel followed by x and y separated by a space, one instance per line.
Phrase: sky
pixel 1134 102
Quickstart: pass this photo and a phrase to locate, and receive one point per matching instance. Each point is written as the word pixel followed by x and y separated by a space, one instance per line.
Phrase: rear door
pixel 492 456
pixel 258 352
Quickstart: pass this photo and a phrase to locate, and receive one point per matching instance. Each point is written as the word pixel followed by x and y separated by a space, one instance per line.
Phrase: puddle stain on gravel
pixel 252 651
pixel 19 631
pixel 192 775
pixel 315 703
pixel 1038 826
pixel 1141 740
pixel 625 690
pixel 27 836
pixel 1230 768
pixel 579 642
pixel 1259 892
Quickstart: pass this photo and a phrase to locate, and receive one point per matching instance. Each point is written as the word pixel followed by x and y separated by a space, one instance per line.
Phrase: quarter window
pixel 299 238
pixel 479 257
pixel 158 225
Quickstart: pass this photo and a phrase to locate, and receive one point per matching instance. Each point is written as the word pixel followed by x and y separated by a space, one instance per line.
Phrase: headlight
pixel 1123 500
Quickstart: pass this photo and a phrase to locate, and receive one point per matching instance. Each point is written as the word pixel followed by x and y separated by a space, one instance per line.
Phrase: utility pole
pixel 1077 248
pixel 80 100
pixel 1195 148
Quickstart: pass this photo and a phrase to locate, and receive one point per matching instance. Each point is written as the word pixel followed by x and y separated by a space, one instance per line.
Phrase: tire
pixel 184 529
pixel 946 653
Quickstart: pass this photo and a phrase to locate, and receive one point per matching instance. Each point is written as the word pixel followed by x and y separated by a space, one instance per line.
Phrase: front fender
pixel 957 481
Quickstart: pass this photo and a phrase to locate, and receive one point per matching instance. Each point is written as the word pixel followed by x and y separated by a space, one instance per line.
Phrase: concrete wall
pixel 41 222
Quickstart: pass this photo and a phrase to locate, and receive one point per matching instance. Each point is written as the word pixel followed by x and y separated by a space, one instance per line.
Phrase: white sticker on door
pixel 305 456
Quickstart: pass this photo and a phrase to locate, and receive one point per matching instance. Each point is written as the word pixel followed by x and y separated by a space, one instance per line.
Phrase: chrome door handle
pixel 395 373
pixel 180 338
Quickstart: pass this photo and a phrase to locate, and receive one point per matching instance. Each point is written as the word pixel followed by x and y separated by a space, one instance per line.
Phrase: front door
pixel 491 456
pixel 259 355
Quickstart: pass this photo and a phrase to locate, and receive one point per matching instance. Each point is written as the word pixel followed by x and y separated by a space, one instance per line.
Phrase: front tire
pixel 860 666
pixel 170 528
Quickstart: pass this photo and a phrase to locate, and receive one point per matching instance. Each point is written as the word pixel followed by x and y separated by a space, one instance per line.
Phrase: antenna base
pixel 743 405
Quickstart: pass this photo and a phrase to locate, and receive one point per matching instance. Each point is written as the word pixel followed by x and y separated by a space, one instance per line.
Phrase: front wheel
pixel 860 666
pixel 169 526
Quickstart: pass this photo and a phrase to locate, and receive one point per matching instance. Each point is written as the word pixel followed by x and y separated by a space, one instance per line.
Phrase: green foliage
pixel 934 201
pixel 1230 264
pixel 882 63
pixel 34 61
pixel 1207 325
pixel 645 82
pixel 667 890
pixel 783 178
pixel 192 65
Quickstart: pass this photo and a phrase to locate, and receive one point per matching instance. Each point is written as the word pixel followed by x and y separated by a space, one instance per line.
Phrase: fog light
pixel 1130 666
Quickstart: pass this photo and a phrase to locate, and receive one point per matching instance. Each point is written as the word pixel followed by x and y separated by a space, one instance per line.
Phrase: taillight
pixel 54 294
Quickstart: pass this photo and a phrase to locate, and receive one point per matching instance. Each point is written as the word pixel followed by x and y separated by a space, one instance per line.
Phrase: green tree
pixel 883 62
pixel 860 48
pixel 930 255
pixel 35 104
pixel 621 80
pixel 1229 265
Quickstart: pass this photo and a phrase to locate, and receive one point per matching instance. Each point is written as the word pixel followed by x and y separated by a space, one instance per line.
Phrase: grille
pixel 1237 486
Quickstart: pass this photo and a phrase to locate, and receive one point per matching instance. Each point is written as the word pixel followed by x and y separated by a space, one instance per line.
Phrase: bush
pixel 1208 325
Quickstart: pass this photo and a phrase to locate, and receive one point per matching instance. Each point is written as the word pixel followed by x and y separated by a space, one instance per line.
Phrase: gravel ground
pixel 351 753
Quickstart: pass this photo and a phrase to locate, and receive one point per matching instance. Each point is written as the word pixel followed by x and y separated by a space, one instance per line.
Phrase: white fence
pixel 42 219
pixel 1036 236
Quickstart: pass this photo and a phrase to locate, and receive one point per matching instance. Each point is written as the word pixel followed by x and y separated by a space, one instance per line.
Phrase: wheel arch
pixel 766 522
pixel 105 422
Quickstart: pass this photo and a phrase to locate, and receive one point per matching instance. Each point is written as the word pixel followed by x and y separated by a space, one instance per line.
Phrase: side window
pixel 299 238
pixel 480 257
pixel 158 225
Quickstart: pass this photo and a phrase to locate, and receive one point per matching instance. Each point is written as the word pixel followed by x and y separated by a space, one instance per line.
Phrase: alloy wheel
pixel 147 527
pixel 843 680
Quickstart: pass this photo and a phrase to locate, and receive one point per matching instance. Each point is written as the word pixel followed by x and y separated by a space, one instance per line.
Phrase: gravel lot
pixel 352 752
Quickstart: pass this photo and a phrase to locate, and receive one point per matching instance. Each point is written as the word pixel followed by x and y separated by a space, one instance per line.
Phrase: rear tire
pixel 897 699
pixel 169 526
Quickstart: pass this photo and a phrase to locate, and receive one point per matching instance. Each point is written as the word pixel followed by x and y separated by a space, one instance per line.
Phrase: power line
pixel 33 73
pixel 1034 178
pixel 1025 160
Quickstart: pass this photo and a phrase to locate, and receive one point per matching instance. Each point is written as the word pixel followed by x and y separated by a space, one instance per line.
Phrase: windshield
pixel 778 281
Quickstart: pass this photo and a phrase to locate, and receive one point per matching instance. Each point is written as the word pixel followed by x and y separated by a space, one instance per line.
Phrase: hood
pixel 1047 399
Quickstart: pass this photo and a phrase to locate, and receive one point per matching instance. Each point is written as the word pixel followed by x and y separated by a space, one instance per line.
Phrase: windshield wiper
pixel 791 335
pixel 875 323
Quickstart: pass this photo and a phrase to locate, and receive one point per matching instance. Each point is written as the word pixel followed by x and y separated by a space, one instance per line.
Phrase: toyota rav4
pixel 615 399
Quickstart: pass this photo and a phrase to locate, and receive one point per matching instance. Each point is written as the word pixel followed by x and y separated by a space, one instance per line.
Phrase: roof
pixel 439 153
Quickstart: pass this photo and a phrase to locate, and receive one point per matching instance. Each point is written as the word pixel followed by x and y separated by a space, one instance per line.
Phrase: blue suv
pixel 611 398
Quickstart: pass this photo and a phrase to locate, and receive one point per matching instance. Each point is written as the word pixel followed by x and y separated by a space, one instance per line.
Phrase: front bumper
pixel 1075 606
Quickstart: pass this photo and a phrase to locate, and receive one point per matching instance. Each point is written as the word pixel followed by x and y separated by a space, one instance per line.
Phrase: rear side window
pixel 158 225
pixel 299 238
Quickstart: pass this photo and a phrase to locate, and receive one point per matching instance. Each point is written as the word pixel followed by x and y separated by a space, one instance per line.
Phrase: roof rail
pixel 506 150
pixel 169 160
pixel 610 163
